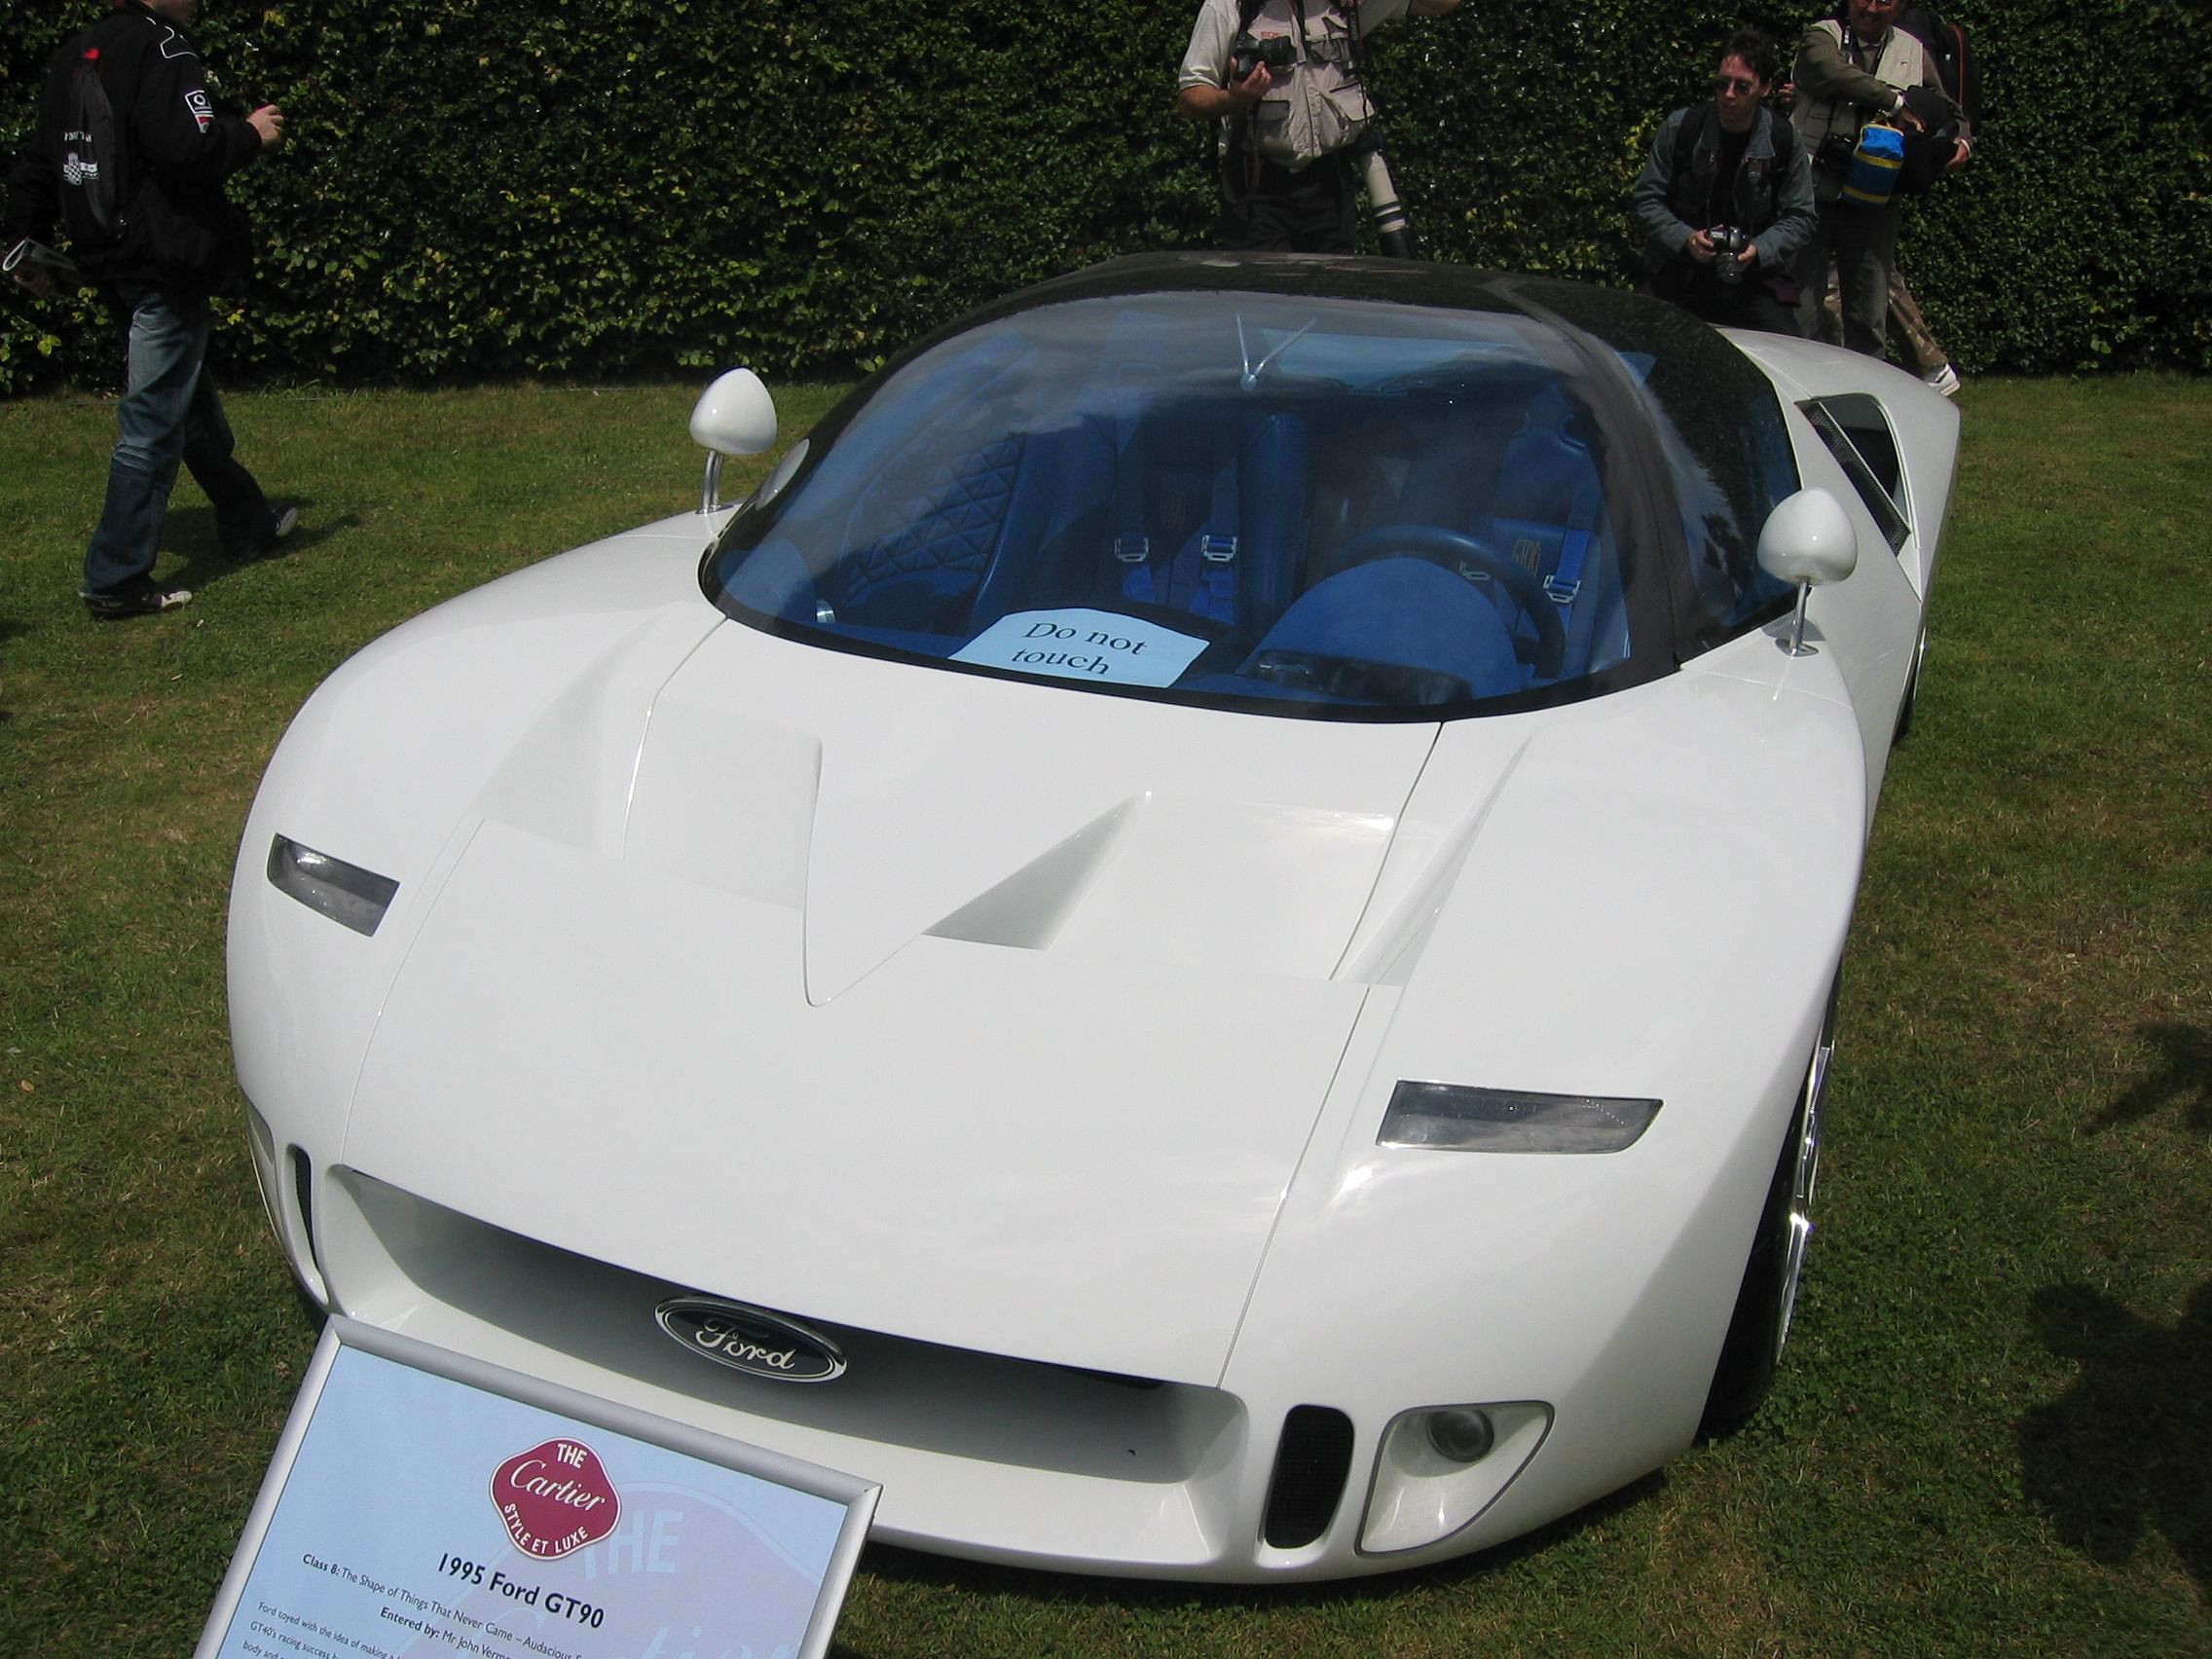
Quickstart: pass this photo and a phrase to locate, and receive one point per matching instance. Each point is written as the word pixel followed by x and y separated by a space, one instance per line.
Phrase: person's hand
pixel 1961 150
pixel 1252 88
pixel 1701 247
pixel 35 281
pixel 268 122
pixel 1905 116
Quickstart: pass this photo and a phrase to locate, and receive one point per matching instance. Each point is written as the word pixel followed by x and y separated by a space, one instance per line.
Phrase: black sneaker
pixel 282 526
pixel 140 596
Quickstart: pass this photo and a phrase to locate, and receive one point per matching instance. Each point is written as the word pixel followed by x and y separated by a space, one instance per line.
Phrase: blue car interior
pixel 1547 509
pixel 1208 510
pixel 947 530
pixel 1395 629
pixel 1426 538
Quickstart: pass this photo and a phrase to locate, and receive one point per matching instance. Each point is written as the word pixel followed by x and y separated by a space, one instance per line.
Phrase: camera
pixel 1727 242
pixel 1246 52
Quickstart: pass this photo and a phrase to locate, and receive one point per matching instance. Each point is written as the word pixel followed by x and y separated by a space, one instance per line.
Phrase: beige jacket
pixel 1840 86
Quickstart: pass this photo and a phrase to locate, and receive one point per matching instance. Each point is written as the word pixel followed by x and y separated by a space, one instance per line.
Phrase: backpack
pixel 90 158
pixel 1948 49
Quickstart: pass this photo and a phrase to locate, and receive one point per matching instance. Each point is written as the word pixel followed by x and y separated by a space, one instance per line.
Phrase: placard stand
pixel 421 1503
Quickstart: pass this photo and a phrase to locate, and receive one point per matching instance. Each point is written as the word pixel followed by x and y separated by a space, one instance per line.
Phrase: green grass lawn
pixel 1993 1429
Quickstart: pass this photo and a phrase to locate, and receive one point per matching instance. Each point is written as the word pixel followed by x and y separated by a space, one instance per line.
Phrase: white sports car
pixel 1201 939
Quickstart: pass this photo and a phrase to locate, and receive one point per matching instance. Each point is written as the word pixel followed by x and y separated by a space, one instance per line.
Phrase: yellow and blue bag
pixel 1875 165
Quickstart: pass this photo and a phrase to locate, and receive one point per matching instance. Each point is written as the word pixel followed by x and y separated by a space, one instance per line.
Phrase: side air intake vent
pixel 1312 1461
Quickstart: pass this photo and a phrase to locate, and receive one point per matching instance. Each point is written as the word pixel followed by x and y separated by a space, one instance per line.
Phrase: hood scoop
pixel 1228 886
pixel 906 806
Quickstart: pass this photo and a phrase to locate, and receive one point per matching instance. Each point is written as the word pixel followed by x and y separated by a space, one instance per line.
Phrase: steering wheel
pixel 1458 551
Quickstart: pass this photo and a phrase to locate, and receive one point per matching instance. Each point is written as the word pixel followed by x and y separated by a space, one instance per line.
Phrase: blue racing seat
pixel 1209 512
pixel 947 526
pixel 1545 508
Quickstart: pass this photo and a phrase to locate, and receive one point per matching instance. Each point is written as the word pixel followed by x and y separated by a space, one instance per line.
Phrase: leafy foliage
pixel 624 188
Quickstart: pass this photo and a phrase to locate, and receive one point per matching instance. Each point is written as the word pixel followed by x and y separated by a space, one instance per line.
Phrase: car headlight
pixel 1458 1117
pixel 349 894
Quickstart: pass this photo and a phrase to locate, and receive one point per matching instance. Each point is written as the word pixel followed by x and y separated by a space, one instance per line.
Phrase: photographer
pixel 1848 73
pixel 130 157
pixel 1725 199
pixel 1283 81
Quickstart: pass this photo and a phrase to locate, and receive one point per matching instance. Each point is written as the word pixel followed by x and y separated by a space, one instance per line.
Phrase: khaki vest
pixel 1903 64
pixel 1320 106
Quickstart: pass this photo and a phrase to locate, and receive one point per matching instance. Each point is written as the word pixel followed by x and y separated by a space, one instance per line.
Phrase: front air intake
pixel 1311 1460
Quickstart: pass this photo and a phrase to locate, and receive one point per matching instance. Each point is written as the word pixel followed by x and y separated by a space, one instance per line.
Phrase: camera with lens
pixel 1727 242
pixel 1246 52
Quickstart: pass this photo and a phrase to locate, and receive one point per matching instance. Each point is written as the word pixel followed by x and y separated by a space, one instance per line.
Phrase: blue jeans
pixel 170 413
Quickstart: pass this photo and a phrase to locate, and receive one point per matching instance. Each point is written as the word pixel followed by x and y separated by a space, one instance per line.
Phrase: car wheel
pixel 1911 690
pixel 1760 1325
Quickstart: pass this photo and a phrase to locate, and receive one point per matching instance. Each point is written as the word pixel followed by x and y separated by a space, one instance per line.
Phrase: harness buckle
pixel 1217 549
pixel 1559 592
pixel 1132 549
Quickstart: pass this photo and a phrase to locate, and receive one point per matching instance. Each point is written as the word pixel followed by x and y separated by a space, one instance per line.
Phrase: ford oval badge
pixel 749 1340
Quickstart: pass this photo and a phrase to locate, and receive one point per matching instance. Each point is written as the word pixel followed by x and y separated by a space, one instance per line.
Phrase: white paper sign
pixel 1102 645
pixel 421 1509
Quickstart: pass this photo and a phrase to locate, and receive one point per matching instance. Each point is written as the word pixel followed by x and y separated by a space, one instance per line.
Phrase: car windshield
pixel 1283 501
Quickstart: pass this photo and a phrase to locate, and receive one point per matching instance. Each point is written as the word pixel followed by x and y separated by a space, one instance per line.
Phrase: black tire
pixel 1760 1324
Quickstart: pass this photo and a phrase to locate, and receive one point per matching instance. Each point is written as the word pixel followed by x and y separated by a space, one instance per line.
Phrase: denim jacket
pixel 1774 204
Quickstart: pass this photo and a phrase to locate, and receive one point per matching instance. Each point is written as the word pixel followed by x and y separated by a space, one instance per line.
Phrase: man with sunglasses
pixel 1725 199
pixel 1851 71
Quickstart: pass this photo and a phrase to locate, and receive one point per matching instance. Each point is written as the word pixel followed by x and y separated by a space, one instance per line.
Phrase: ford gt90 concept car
pixel 1201 938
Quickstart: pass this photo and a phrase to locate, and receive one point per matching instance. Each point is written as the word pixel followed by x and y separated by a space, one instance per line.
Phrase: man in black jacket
pixel 165 242
pixel 1729 170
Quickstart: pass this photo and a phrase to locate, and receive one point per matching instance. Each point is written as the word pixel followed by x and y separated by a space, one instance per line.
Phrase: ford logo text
pixel 750 1339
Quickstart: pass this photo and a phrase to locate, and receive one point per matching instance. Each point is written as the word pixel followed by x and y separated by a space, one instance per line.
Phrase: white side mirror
pixel 1807 541
pixel 735 416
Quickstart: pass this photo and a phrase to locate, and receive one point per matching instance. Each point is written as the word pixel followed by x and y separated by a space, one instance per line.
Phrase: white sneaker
pixel 142 595
pixel 1944 380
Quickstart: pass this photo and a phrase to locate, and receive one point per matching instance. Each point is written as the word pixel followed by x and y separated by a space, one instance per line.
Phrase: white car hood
pixel 994 1014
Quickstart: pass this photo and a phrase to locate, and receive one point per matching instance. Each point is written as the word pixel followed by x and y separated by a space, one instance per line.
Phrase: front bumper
pixel 994 1458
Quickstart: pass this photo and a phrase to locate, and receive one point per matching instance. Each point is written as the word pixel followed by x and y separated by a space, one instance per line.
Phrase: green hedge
pixel 640 188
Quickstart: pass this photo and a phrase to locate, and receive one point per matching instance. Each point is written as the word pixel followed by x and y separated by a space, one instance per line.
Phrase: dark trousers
pixel 1864 244
pixel 1913 341
pixel 1268 208
pixel 170 414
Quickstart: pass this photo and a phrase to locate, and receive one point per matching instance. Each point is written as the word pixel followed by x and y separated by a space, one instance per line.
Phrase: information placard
pixel 423 1503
